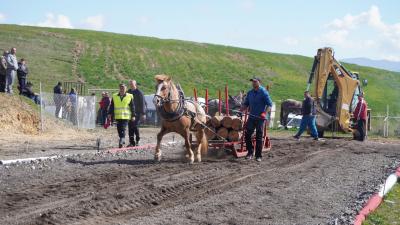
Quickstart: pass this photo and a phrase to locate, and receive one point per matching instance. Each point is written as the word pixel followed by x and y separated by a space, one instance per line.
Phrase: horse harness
pixel 180 111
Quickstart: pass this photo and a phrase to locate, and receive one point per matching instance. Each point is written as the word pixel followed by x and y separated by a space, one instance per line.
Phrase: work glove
pixel 107 123
pixel 263 115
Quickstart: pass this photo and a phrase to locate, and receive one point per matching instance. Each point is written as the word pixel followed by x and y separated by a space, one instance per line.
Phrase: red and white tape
pixel 376 199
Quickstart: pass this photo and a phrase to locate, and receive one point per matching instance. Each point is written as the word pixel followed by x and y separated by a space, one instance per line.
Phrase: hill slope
pixel 104 59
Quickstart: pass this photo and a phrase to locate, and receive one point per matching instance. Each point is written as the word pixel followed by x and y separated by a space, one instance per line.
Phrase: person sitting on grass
pixel 28 92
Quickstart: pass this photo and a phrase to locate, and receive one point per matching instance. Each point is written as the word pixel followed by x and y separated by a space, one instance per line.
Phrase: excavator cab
pixel 335 91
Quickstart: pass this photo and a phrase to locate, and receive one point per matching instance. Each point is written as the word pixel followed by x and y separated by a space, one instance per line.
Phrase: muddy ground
pixel 298 182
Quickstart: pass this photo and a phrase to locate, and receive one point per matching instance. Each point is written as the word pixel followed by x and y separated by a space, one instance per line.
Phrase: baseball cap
pixel 255 79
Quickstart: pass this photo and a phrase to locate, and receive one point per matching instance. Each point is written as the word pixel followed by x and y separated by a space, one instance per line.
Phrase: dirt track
pixel 302 182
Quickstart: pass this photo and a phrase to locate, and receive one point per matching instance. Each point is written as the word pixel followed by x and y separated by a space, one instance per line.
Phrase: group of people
pixel 66 104
pixel 128 108
pixel 10 69
pixel 309 117
pixel 258 102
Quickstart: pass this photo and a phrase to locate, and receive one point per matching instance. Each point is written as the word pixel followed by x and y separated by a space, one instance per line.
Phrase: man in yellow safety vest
pixel 123 110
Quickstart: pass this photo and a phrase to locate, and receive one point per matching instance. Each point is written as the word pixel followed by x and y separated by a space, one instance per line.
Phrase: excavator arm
pixel 327 68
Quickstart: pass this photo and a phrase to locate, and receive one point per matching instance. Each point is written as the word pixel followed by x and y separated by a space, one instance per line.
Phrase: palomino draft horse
pixel 180 116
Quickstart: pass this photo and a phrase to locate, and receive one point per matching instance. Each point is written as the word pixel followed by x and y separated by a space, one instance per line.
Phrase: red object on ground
pixel 372 204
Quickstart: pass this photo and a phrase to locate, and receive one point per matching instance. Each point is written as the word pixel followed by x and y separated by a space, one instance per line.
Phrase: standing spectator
pixel 257 101
pixel 3 71
pixel 308 111
pixel 12 66
pixel 123 109
pixel 22 73
pixel 104 105
pixel 73 98
pixel 140 113
pixel 58 98
pixel 360 115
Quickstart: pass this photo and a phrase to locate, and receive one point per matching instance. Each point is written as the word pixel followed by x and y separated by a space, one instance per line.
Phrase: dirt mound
pixel 17 116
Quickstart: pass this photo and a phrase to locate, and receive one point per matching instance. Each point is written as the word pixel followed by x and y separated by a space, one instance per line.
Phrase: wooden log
pixel 234 135
pixel 216 121
pixel 237 124
pixel 223 132
pixel 227 121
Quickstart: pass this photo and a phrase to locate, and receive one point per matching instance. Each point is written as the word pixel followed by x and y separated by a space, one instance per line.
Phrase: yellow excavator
pixel 335 92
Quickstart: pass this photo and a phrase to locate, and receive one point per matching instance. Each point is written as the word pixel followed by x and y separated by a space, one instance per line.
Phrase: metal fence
pixel 78 111
pixel 385 126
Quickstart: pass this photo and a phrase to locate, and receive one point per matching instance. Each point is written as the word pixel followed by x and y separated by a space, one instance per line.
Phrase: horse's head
pixel 235 101
pixel 163 89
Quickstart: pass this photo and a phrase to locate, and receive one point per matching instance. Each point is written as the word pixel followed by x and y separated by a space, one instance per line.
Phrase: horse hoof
pixel 157 158
pixel 198 159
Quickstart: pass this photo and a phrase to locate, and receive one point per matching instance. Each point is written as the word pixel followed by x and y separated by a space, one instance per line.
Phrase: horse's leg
pixel 189 153
pixel 157 154
pixel 199 139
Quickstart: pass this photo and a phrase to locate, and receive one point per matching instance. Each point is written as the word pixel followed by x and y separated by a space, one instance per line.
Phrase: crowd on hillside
pixel 12 69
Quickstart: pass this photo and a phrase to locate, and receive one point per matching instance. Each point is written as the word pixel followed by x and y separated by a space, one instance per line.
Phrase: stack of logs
pixel 228 127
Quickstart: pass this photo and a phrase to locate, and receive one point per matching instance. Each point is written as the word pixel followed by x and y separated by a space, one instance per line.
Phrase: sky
pixel 354 28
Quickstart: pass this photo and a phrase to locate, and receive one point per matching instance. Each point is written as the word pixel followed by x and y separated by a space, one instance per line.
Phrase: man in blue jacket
pixel 257 102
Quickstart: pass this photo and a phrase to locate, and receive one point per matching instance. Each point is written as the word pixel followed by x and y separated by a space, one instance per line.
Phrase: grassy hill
pixel 105 59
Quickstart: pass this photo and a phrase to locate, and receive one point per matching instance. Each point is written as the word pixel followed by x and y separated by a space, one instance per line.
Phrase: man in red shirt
pixel 360 115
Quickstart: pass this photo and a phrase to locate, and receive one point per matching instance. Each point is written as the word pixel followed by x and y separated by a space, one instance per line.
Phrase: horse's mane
pixel 162 77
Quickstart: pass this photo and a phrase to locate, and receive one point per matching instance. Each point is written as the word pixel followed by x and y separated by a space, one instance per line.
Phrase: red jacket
pixel 361 110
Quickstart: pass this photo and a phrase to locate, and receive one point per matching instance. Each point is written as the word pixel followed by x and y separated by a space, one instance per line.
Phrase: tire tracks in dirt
pixel 116 195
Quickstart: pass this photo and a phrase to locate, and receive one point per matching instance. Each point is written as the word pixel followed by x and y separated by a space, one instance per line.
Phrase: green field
pixel 106 59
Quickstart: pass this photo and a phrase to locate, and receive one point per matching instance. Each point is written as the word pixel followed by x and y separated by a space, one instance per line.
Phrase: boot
pixel 121 142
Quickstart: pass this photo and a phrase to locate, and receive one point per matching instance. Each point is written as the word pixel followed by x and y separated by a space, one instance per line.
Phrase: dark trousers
pixel 2 83
pixel 103 115
pixel 121 127
pixel 361 129
pixel 22 83
pixel 134 129
pixel 258 125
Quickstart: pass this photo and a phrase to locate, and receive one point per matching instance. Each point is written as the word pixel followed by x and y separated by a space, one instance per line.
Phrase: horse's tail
pixel 204 144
